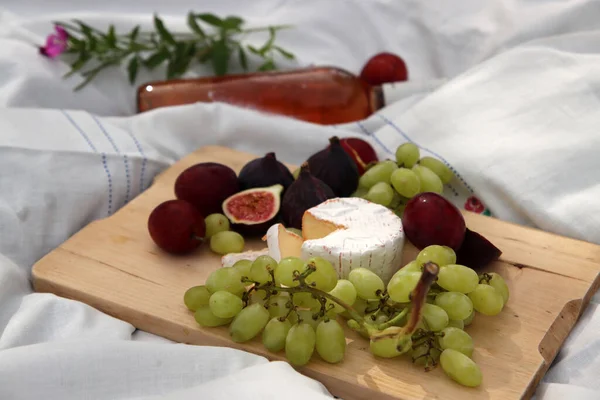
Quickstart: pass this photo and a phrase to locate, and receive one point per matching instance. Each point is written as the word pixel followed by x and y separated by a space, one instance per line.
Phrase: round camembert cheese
pixel 348 232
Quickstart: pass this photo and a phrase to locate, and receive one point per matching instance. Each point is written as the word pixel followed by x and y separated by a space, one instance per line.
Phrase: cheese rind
pixel 282 243
pixel 353 233
pixel 229 259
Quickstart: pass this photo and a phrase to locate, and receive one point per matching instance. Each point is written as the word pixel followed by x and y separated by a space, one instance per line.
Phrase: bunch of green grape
pixel 293 321
pixel 458 294
pixel 301 316
pixel 392 183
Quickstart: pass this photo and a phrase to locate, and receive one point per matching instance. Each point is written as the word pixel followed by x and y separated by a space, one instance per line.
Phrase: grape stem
pixel 418 299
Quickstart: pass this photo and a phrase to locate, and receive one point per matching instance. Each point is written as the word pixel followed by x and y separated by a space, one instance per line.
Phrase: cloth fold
pixel 516 120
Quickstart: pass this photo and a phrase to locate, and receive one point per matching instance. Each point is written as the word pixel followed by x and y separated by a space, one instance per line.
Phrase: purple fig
pixel 306 192
pixel 264 172
pixel 476 251
pixel 336 168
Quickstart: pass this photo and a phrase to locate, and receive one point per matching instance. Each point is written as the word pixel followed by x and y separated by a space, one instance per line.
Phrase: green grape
pixel 228 279
pixel 440 255
pixel 360 192
pixel 424 354
pixel 324 277
pixel 460 368
pixel 225 305
pixel 430 182
pixel 469 320
pixel 367 283
pixel 487 300
pixel 308 316
pixel 216 223
pixel 377 317
pixel 405 182
pixel 380 172
pixel 243 267
pixel 330 341
pixel 261 269
pixel 258 296
pixel 300 344
pixel 345 291
pixel 296 173
pixel 304 300
pixel 397 201
pixel 457 323
pixel 407 155
pixel 295 231
pixel 435 317
pixel 284 273
pixel 438 168
pixel 226 242
pixel 408 268
pixel 381 193
pixel 458 278
pixel 205 317
pixel 278 306
pixel 400 286
pixel 359 306
pixel 458 340
pixel 457 305
pixel 498 283
pixel 274 334
pixel 385 348
pixel 195 297
pixel 248 323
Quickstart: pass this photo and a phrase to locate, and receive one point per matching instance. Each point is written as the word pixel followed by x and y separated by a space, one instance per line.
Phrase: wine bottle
pixel 322 95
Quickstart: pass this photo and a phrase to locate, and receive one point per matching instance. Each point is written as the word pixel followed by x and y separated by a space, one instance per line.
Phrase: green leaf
pixel 269 65
pixel 75 44
pixel 111 37
pixel 243 59
pixel 180 59
pixel 191 20
pixel 86 30
pixel 162 31
pixel 157 58
pixel 92 44
pixel 232 23
pixel 267 46
pixel 284 53
pixel 205 54
pixel 254 50
pixel 132 69
pixel 211 19
pixel 134 33
pixel 84 57
pixel 220 57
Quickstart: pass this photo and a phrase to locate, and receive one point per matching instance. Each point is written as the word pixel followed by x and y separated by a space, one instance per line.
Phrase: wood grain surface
pixel 113 265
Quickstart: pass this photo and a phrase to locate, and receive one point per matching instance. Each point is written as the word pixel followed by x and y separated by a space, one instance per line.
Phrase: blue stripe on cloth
pixel 405 136
pixel 95 150
pixel 144 159
pixel 125 160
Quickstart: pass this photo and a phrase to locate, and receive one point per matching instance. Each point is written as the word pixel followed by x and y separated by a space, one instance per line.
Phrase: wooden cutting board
pixel 113 265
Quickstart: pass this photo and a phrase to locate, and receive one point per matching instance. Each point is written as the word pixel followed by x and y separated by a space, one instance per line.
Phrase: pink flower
pixel 56 43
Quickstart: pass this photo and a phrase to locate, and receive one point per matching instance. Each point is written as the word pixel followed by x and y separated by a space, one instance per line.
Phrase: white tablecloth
pixel 518 120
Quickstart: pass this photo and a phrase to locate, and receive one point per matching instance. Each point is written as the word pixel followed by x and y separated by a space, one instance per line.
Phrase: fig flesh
pixel 253 211
pixel 336 168
pixel 264 172
pixel 306 192
pixel 206 185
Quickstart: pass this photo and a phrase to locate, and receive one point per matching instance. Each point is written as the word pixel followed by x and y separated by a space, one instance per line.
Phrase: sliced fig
pixel 253 211
pixel 336 168
pixel 306 192
pixel 476 251
pixel 264 172
pixel 360 151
